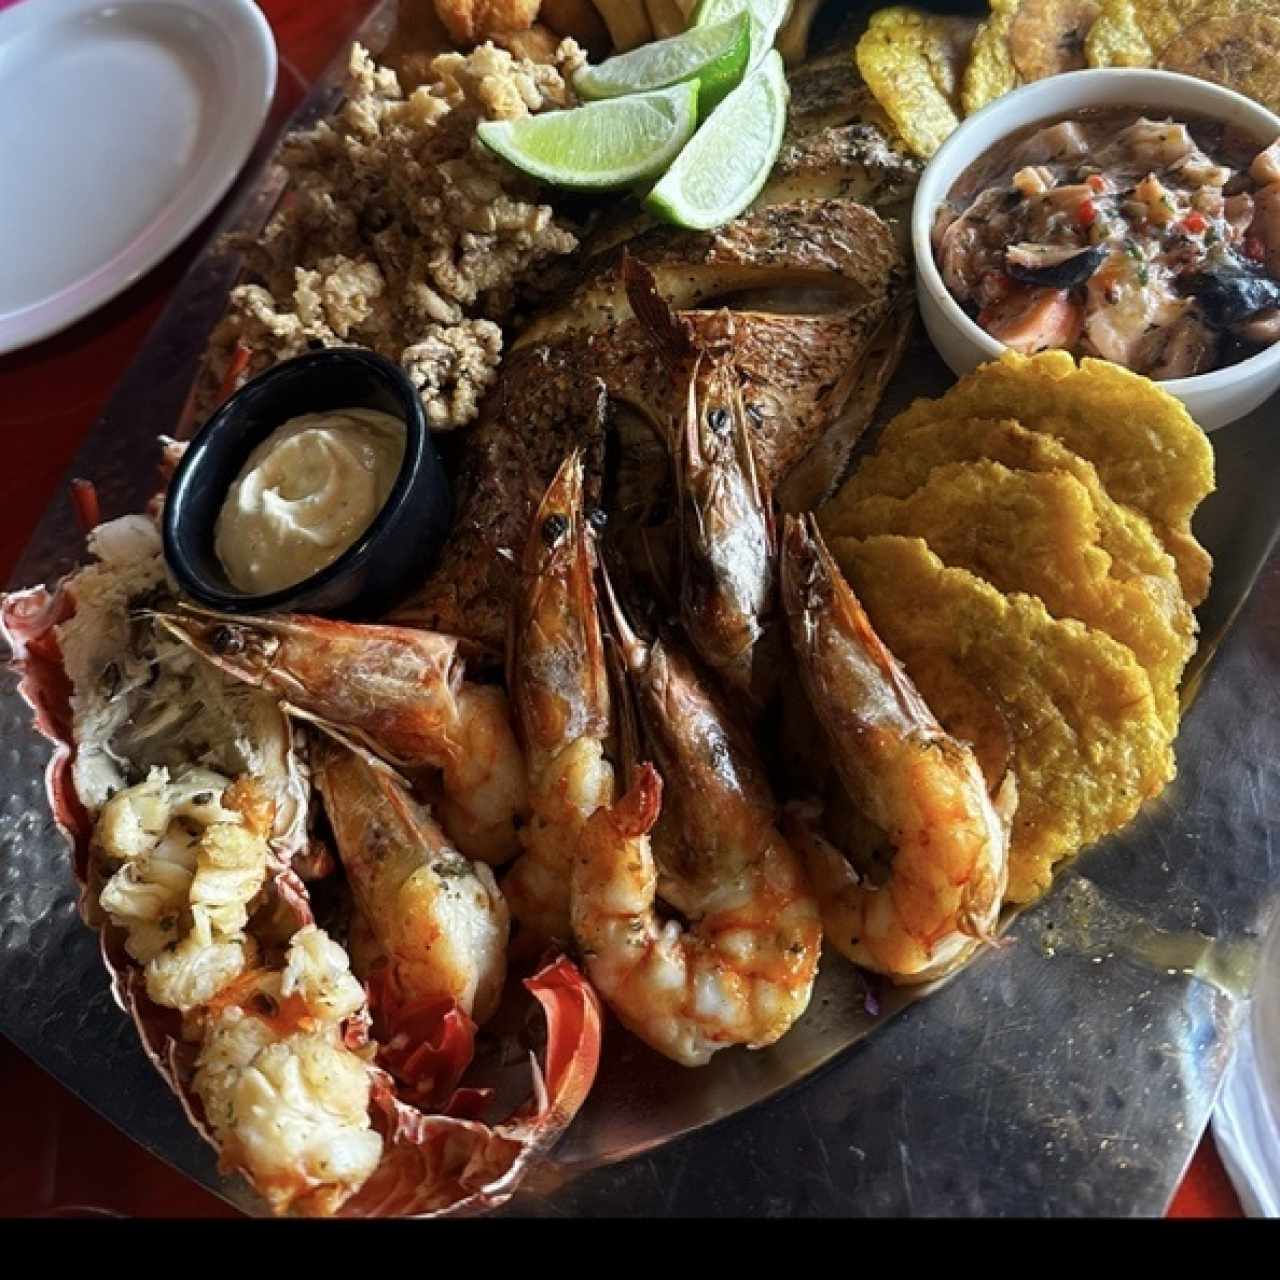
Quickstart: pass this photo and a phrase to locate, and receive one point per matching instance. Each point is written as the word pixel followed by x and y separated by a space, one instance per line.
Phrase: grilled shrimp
pixel 726 526
pixel 396 690
pixel 743 970
pixel 439 920
pixel 560 689
pixel 726 530
pixel 919 786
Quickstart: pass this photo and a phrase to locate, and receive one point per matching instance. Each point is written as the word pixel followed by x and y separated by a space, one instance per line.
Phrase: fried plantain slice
pixel 1047 37
pixel 910 60
pixel 1240 53
pixel 905 462
pixel 1116 39
pixel 1140 33
pixel 1038 532
pixel 1088 744
pixel 1148 452
pixel 990 72
pixel 948 43
pixel 1163 21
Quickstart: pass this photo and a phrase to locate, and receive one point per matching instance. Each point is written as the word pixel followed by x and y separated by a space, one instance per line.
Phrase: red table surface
pixel 60 1155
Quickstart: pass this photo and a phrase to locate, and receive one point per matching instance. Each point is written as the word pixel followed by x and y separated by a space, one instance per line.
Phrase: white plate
pixel 121 126
pixel 1246 1122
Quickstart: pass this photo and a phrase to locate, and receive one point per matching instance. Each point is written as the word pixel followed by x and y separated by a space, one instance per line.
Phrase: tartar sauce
pixel 305 495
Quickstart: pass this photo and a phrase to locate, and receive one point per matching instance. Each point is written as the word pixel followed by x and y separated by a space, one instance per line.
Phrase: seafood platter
pixel 701 638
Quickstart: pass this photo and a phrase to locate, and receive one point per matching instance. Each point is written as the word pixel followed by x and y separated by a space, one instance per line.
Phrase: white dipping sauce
pixel 305 495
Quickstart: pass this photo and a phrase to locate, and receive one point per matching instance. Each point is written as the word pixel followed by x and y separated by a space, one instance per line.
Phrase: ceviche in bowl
pixel 1133 217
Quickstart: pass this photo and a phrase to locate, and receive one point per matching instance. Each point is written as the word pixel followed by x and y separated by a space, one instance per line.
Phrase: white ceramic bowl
pixel 1213 399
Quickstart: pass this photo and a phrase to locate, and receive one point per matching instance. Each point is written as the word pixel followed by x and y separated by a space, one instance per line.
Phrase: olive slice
pixel 1230 295
pixel 1058 273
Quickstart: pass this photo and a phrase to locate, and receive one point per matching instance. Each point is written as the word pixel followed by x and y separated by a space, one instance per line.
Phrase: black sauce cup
pixel 399 547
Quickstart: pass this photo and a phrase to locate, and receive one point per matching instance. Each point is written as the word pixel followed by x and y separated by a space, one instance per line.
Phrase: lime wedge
pixel 605 145
pixel 715 56
pixel 727 161
pixel 766 17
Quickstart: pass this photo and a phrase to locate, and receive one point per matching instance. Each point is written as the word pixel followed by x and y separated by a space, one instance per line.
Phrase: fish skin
pixel 818 285
pixel 816 474
pixel 832 244
pixel 548 404
pixel 850 162
pixel 839 143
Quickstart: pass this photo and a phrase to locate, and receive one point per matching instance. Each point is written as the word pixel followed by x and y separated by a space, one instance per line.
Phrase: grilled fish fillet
pixel 839 143
pixel 852 161
pixel 827 92
pixel 526 428
pixel 836 246
pixel 823 282
pixel 814 278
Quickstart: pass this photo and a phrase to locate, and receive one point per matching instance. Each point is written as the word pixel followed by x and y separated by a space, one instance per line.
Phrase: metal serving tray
pixel 1070 1071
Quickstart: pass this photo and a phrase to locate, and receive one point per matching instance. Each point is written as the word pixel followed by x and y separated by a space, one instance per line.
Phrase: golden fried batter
pixel 1148 452
pixel 1088 744
pixel 1240 53
pixel 471 21
pixel 1141 33
pixel 1038 532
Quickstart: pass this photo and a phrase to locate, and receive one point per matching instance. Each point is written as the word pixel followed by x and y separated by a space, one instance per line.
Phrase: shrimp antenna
pixel 749 464
pixel 631 647
pixel 629 731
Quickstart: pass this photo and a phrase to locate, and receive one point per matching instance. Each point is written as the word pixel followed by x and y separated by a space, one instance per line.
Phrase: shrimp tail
pixel 636 813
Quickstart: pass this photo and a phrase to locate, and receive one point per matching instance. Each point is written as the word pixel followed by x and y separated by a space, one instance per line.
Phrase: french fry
pixel 628 22
pixel 665 17
pixel 793 37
